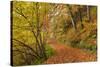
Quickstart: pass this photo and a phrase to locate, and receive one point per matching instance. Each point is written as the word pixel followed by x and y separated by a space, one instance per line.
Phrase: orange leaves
pixel 65 53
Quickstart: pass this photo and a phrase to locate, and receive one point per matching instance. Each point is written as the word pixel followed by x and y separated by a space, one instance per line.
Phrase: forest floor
pixel 66 54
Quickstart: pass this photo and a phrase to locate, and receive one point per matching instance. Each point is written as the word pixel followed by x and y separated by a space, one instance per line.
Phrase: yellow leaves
pixel 35 23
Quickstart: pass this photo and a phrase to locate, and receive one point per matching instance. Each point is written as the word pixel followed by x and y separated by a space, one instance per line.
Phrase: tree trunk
pixel 80 15
pixel 88 13
pixel 72 17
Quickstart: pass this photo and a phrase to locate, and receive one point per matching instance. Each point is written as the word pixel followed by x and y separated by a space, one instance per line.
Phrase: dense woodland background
pixel 36 25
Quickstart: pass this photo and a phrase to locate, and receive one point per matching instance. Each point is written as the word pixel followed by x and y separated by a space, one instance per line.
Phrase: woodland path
pixel 67 54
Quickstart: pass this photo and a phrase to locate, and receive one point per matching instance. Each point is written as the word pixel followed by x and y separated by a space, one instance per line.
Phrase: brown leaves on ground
pixel 67 54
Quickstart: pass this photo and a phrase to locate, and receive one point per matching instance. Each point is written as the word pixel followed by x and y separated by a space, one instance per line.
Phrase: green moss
pixel 84 45
pixel 49 51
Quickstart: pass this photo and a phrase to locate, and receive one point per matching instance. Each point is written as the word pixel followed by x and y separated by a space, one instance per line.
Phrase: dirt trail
pixel 67 54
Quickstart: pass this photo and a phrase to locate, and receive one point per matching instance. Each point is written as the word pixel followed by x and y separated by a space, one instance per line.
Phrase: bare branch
pixel 26 53
pixel 25 45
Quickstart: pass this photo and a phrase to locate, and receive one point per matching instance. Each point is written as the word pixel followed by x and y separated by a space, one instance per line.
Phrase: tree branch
pixel 25 45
